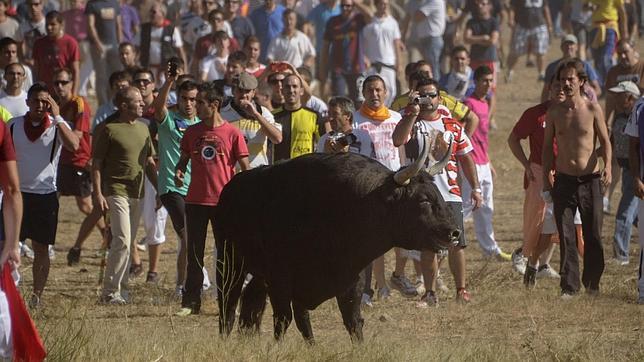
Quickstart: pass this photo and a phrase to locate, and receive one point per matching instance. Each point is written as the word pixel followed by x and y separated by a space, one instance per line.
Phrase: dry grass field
pixel 503 321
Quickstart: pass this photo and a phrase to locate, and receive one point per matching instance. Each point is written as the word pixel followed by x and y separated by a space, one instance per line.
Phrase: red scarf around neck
pixel 34 132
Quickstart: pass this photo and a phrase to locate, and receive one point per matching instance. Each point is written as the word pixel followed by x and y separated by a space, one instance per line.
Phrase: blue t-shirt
pixel 319 16
pixel 267 26
pixel 105 13
pixel 590 71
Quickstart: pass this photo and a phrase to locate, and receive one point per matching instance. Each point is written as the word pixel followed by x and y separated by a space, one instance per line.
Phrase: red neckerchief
pixel 34 132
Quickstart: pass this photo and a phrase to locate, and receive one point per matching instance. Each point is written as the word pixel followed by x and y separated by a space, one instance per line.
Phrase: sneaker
pixel 141 244
pixel 429 299
pixel 463 296
pixel 519 262
pixel 501 256
pixel 567 295
pixel 113 299
pixel 621 262
pixel 440 284
pixel 73 256
pixel 530 277
pixel 403 285
pixel 384 293
pixel 366 300
pixel 26 251
pixel 545 271
pixel 136 270
pixel 34 301
pixel 184 312
pixel 52 253
pixel 152 277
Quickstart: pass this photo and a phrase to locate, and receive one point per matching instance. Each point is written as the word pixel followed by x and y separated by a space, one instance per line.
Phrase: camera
pixel 422 100
pixel 344 140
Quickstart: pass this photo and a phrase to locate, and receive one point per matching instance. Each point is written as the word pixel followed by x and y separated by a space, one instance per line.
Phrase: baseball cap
pixel 246 81
pixel 626 86
pixel 569 38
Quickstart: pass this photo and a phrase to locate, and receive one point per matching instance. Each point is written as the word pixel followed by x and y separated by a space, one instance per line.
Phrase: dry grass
pixel 503 322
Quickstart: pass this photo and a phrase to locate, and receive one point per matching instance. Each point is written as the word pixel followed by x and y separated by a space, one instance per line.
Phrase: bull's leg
pixel 349 304
pixel 253 304
pixel 303 322
pixel 282 314
pixel 229 283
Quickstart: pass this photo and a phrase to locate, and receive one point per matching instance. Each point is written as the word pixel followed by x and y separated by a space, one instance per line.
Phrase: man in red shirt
pixel 74 177
pixel 56 50
pixel 213 147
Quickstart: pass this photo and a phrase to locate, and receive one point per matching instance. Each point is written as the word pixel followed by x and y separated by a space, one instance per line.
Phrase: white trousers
pixel 483 215
pixel 153 220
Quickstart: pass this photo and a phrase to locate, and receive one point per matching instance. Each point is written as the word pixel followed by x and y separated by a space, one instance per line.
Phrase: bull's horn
pixel 402 176
pixel 440 165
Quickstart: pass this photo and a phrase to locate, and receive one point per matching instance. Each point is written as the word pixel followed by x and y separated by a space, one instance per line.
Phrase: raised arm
pixel 403 129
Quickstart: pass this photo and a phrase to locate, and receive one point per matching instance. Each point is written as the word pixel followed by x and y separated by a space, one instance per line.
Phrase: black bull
pixel 306 228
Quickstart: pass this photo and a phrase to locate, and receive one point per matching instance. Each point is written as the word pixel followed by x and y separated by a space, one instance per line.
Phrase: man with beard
pixel 172 123
pixel 39 137
pixel 122 152
pixel 578 124
pixel 254 121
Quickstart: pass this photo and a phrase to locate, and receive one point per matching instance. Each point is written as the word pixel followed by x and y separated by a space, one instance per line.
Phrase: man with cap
pixel 255 122
pixel 569 50
pixel 626 94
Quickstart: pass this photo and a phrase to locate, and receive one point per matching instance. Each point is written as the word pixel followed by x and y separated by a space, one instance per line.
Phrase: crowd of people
pixel 188 93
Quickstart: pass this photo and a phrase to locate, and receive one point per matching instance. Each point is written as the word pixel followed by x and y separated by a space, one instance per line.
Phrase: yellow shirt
pixel 5 115
pixel 457 108
pixel 606 10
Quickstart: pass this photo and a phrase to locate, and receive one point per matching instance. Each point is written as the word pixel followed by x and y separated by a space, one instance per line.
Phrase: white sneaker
pixel 545 271
pixel 440 284
pixel 366 300
pixel 567 296
pixel 26 251
pixel 519 262
pixel 141 244
pixel 52 253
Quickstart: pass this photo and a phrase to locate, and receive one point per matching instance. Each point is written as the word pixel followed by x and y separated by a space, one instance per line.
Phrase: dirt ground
pixel 503 321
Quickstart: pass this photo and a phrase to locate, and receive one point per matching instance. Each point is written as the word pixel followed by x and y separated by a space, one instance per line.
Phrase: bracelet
pixel 477 190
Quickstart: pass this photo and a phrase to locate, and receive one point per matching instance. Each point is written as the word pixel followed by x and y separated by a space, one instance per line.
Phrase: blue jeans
pixel 603 56
pixel 343 84
pixel 432 48
pixel 626 213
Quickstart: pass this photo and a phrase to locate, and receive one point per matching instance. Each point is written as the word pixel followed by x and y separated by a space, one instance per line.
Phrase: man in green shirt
pixel 171 125
pixel 122 151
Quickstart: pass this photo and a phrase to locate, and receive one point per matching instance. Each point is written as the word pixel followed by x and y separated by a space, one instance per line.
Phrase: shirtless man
pixel 577 124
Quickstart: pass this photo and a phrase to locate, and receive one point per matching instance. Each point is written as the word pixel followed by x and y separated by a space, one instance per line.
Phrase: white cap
pixel 626 86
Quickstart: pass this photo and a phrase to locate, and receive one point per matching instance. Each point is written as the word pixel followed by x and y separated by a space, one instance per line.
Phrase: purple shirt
pixel 76 24
pixel 130 20
pixel 480 139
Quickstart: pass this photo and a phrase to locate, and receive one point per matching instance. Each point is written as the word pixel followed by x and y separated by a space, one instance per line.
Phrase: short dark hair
pixel 373 78
pixel 213 12
pixel 6 68
pixel 37 88
pixel 55 15
pixel 212 93
pixel 482 71
pixel 417 76
pixel 345 104
pixel 127 44
pixel 425 81
pixel 220 35
pixel 576 64
pixel 119 76
pixel 64 70
pixel 6 41
pixel 238 57
pixel 305 72
pixel 460 48
pixel 187 86
pixel 144 71
pixel 287 12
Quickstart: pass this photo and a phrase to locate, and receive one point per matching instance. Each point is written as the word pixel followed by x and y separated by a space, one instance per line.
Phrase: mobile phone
pixel 172 69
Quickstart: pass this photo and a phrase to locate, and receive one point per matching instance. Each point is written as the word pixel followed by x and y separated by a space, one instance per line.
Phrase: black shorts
pixel 457 213
pixel 39 218
pixel 73 181
pixel 175 204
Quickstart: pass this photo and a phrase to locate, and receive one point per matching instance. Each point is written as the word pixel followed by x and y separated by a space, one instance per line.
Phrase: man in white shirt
pixel 38 138
pixel 12 96
pixel 8 55
pixel 291 45
pixel 382 36
pixel 254 121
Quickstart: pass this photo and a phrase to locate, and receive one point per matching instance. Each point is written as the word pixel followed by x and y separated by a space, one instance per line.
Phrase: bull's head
pixel 426 219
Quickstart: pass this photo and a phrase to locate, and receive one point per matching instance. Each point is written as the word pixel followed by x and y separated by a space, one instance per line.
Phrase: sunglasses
pixel 142 81
pixel 62 82
pixel 430 95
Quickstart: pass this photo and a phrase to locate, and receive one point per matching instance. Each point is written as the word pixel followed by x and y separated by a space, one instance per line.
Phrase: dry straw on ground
pixel 503 322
